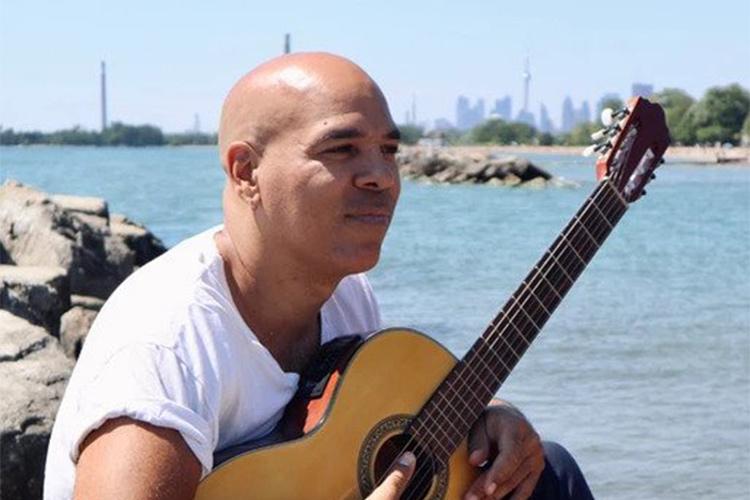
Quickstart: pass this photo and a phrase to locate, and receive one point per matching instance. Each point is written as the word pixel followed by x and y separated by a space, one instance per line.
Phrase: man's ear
pixel 242 162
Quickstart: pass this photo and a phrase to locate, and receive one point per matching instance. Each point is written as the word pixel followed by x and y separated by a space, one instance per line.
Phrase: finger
pixel 502 487
pixel 478 443
pixel 476 490
pixel 526 488
pixel 396 481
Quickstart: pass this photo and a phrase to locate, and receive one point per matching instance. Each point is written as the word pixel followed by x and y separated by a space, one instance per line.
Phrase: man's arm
pixel 128 459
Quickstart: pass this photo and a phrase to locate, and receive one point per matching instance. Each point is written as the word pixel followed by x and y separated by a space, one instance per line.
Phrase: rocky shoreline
pixel 60 258
pixel 677 154
pixel 458 166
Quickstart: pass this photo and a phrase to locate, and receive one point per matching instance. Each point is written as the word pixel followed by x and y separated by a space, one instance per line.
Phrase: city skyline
pixel 169 61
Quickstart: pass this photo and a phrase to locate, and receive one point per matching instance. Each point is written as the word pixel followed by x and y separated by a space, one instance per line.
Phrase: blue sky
pixel 168 60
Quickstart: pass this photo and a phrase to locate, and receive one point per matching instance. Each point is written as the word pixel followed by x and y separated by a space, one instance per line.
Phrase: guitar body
pixel 386 381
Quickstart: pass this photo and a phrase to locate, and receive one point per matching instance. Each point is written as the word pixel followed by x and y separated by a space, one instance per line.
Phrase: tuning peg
pixel 653 176
pixel 607 117
pixel 599 135
pixel 643 193
pixel 590 150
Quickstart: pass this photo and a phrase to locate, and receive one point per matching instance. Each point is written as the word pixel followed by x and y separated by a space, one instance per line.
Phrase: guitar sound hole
pixel 421 482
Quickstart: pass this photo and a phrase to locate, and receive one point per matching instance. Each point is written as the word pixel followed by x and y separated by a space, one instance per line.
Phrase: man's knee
pixel 561 478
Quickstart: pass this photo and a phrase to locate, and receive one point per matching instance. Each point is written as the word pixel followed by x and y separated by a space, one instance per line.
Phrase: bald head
pixel 288 92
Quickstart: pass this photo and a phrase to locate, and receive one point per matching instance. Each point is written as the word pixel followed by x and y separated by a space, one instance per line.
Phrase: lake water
pixel 643 372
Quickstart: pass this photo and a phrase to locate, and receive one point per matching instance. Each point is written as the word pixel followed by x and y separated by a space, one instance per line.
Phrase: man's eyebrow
pixel 341 133
pixel 354 133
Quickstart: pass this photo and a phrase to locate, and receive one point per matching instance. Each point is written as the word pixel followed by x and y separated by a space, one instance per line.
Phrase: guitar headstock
pixel 630 146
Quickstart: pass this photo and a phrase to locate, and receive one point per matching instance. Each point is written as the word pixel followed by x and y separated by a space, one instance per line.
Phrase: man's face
pixel 329 185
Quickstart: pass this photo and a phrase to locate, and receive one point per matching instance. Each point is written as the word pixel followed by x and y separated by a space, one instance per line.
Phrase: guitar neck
pixel 445 419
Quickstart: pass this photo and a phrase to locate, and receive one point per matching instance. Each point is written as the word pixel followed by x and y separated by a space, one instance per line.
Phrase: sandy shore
pixel 701 155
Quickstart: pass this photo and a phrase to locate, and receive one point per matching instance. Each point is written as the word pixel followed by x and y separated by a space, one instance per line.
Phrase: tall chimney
pixel 287 44
pixel 104 96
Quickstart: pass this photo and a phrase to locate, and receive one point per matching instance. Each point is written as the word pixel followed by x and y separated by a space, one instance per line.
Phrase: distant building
pixel 503 108
pixel 526 117
pixel 468 116
pixel 545 124
pixel 568 115
pixel 584 113
pixel 642 90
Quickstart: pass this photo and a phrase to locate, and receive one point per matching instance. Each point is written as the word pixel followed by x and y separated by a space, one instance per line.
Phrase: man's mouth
pixel 374 218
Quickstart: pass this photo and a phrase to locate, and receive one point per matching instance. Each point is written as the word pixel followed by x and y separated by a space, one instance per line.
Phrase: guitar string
pixel 575 224
pixel 549 255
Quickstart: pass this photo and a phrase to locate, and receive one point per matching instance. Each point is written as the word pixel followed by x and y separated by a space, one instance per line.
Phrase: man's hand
pixel 506 441
pixel 395 483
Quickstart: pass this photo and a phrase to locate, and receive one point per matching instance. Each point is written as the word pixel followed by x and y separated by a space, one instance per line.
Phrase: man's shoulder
pixel 164 297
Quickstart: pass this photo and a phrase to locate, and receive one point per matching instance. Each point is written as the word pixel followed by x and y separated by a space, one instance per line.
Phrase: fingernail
pixel 472 496
pixel 476 456
pixel 491 488
pixel 407 459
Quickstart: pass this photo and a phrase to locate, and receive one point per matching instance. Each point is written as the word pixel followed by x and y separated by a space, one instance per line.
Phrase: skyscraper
pixel 104 95
pixel 545 124
pixel 462 113
pixel 468 116
pixel 568 115
pixel 584 113
pixel 503 108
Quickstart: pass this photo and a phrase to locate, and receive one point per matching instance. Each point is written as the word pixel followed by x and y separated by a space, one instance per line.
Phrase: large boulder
pixel 457 166
pixel 74 326
pixel 37 294
pixel 140 240
pixel 35 230
pixel 34 371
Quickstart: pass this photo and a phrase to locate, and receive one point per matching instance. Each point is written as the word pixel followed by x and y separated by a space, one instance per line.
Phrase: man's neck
pixel 279 302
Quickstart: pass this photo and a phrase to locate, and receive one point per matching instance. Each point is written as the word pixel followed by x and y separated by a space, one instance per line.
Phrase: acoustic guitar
pixel 365 403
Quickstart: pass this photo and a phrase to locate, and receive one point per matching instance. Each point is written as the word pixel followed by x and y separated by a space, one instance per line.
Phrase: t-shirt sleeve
pixel 149 383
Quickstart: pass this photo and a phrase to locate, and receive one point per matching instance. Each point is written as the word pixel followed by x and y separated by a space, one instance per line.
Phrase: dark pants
pixel 561 477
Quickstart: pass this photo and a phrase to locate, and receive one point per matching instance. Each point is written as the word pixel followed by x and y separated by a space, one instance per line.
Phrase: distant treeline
pixel 117 134
pixel 721 116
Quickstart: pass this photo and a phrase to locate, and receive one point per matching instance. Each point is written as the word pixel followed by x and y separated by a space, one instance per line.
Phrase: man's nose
pixel 377 175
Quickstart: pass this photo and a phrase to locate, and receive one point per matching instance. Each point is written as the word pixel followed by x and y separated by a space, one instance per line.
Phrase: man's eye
pixel 389 149
pixel 343 149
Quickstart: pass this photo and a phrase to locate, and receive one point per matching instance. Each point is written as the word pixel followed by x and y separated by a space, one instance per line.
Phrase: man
pixel 200 349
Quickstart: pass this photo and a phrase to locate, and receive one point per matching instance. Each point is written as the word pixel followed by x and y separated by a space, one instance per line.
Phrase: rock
pixel 536 183
pixel 458 165
pixel 34 371
pixel 37 294
pixel 36 231
pixel 139 239
pixel 93 303
pixel 82 204
pixel 74 326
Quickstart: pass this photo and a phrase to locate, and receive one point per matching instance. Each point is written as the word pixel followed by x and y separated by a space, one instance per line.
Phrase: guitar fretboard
pixel 447 416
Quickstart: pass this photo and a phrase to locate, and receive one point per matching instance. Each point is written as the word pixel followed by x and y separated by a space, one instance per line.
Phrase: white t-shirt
pixel 170 348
